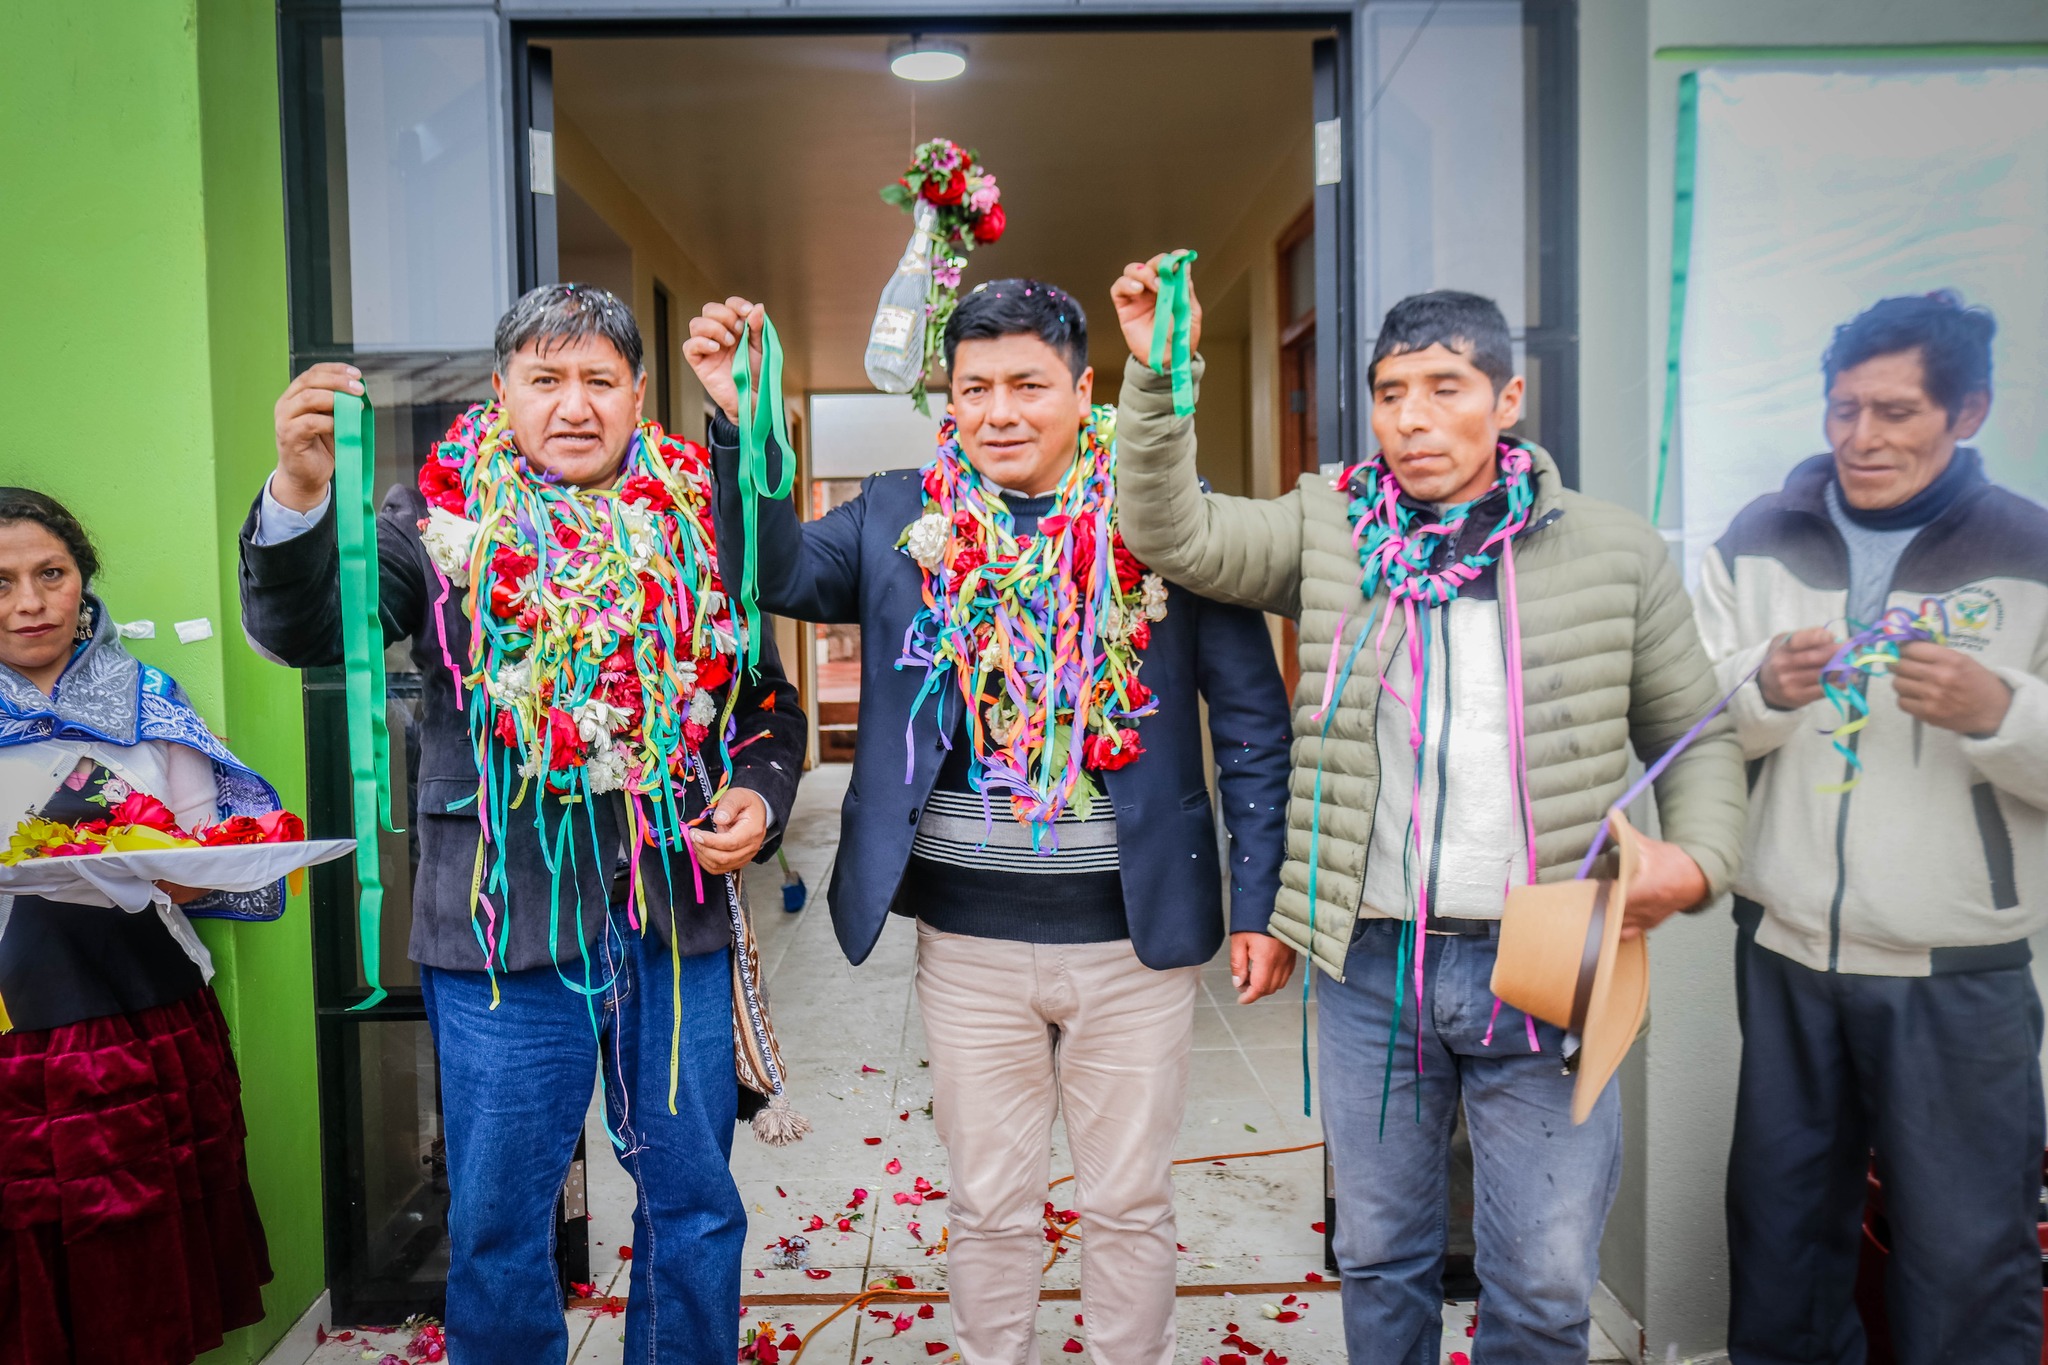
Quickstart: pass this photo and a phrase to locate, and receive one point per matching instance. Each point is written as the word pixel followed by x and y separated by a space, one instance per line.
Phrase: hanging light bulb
pixel 927 59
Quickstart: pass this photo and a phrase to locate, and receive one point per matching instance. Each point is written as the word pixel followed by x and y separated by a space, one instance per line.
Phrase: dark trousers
pixel 1940 1076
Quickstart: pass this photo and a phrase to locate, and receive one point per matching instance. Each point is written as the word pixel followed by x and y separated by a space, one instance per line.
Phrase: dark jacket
pixel 291 607
pixel 845 567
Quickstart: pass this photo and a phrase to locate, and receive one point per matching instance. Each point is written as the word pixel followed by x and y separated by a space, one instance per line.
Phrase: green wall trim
pixel 149 260
pixel 1683 175
pixel 1992 52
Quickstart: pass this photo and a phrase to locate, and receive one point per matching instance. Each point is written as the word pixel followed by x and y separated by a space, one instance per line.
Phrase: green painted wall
pixel 142 258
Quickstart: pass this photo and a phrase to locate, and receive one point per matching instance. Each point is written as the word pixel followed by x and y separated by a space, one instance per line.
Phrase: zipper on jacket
pixel 1841 861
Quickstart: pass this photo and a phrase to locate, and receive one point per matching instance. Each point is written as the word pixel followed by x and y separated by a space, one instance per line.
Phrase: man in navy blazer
pixel 1047 980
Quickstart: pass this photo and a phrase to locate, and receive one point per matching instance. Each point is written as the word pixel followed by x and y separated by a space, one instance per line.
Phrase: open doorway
pixel 689 168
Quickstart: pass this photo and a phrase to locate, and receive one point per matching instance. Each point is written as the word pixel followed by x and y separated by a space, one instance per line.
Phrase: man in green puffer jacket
pixel 1498 775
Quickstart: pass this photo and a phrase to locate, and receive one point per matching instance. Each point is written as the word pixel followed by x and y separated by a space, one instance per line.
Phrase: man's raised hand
pixel 714 341
pixel 305 434
pixel 1136 295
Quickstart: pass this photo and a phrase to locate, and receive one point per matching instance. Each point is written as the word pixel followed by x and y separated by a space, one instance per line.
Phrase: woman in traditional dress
pixel 128 1232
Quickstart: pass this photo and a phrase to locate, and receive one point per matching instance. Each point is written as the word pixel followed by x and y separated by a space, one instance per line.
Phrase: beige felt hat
pixel 1563 960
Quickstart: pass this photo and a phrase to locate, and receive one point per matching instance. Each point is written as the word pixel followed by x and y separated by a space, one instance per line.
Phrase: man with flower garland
pixel 582 704
pixel 1029 784
pixel 1523 638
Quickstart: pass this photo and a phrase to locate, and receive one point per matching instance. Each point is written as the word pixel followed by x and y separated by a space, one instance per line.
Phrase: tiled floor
pixel 852 1040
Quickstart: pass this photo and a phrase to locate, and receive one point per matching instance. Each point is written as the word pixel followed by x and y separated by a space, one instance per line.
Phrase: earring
pixel 84 631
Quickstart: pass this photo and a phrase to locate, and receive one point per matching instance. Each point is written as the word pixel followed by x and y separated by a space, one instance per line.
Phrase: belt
pixel 1463 928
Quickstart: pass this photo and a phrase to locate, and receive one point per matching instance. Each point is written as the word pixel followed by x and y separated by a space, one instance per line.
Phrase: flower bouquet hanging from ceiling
pixel 954 207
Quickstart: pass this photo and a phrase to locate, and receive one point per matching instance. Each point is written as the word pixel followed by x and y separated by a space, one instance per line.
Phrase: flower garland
pixel 969 213
pixel 1040 635
pixel 1413 555
pixel 600 631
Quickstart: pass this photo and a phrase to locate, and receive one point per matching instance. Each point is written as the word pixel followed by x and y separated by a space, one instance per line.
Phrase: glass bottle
pixel 895 357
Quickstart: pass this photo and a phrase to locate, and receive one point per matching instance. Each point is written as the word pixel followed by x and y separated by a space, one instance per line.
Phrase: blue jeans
pixel 1541 1188
pixel 515 1085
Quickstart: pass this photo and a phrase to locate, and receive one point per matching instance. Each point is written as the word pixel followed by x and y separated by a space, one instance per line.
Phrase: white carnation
pixel 924 540
pixel 513 682
pixel 605 768
pixel 639 527
pixel 1111 624
pixel 596 719
pixel 703 708
pixel 709 603
pixel 450 542
pixel 1153 589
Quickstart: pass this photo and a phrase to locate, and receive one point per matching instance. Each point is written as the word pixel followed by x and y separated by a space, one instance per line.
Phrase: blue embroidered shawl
pixel 108 695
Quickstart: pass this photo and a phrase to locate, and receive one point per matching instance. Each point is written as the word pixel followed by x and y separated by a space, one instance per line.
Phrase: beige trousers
pixel 1015 1033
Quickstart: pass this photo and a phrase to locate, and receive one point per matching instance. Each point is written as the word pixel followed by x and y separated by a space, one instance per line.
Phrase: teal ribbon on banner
pixel 760 416
pixel 1172 321
pixel 362 647
pixel 1684 169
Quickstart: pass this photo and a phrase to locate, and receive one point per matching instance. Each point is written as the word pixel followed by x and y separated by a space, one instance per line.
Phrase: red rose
pixel 1137 695
pixel 441 484
pixel 1141 634
pixel 934 480
pixel 652 598
pixel 236 829
pixel 649 491
pixel 989 227
pixel 502 604
pixel 951 192
pixel 624 693
pixel 282 827
pixel 694 734
pixel 712 672
pixel 966 562
pixel 1128 569
pixel 507 727
pixel 963 519
pixel 512 564
pixel 565 745
pixel 1102 754
pixel 1083 538
pixel 140 808
pixel 566 535
pixel 695 456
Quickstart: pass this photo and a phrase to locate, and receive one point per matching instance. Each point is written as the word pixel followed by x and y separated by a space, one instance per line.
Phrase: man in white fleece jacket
pixel 1885 996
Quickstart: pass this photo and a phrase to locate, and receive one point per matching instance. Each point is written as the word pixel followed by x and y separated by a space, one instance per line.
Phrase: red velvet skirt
pixel 127 1230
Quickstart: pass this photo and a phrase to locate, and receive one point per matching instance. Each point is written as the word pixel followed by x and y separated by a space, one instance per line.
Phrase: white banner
pixel 1817 195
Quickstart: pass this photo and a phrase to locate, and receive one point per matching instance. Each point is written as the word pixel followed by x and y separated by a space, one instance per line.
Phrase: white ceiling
pixel 763 156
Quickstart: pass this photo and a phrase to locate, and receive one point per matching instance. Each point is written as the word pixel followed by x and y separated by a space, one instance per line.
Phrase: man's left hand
pixel 1667 881
pixel 1947 687
pixel 1259 965
pixel 734 836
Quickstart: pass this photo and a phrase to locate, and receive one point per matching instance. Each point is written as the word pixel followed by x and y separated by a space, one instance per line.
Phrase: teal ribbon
pixel 1172 321
pixel 362 644
pixel 756 426
pixel 1684 172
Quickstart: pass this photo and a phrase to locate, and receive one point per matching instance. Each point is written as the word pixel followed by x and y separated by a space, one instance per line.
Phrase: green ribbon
pixel 1172 320
pixel 756 426
pixel 1683 173
pixel 362 644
